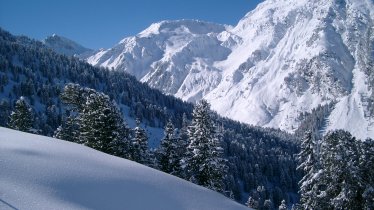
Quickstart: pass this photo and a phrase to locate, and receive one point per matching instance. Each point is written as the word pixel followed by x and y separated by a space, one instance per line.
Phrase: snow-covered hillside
pixel 282 59
pixel 43 173
pixel 171 56
pixel 66 46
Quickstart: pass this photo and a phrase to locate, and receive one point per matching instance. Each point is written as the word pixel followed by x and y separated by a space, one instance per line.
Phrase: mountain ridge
pixel 282 59
pixel 65 46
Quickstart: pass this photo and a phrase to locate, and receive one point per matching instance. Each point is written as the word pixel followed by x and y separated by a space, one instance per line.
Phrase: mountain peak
pixel 284 58
pixel 184 25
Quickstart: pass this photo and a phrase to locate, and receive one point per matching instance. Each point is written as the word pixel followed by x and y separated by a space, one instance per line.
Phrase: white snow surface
pixel 283 58
pixel 39 172
pixel 66 46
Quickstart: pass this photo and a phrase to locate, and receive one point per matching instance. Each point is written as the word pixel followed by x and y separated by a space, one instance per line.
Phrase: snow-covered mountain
pixel 39 172
pixel 282 59
pixel 66 46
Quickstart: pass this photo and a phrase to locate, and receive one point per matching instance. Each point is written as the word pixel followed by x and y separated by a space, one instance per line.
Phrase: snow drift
pixel 44 173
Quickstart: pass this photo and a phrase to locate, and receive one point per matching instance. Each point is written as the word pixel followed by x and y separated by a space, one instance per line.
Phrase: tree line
pixel 255 156
pixel 194 153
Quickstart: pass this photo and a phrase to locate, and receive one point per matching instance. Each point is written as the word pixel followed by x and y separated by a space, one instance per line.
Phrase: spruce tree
pixel 205 164
pixel 342 180
pixel 101 125
pixel 251 203
pixel 139 146
pixel 69 130
pixel 367 172
pixel 268 205
pixel 183 141
pixel 169 161
pixel 74 97
pixel 309 164
pixel 283 205
pixel 21 118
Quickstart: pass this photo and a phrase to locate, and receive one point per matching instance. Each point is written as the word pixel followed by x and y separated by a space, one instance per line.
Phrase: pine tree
pixel 283 205
pixel 169 161
pixel 21 118
pixel 182 145
pixel 74 97
pixel 101 125
pixel 68 131
pixel 339 160
pixel 367 172
pixel 251 203
pixel 183 133
pixel 310 165
pixel 139 147
pixel 268 205
pixel 205 164
pixel 4 112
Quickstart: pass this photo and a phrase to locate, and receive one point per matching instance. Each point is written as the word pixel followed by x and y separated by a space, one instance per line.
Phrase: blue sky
pixel 101 24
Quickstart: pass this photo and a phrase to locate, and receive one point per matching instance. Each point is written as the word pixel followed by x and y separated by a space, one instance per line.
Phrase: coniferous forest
pixel 55 95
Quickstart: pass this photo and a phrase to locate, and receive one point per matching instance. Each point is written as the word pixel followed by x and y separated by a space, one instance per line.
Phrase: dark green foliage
pixel 309 164
pixel 341 178
pixel 139 145
pixel 94 120
pixel 21 118
pixel 315 121
pixel 68 131
pixel 205 162
pixel 367 172
pixel 169 159
pixel 101 125
pixel 4 112
pixel 339 160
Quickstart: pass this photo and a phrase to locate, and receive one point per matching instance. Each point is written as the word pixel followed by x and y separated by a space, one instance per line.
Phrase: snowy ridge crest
pixel 284 58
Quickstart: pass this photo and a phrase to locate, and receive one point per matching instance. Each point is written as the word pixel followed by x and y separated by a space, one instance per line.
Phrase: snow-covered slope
pixel 43 173
pixel 171 56
pixel 282 59
pixel 66 46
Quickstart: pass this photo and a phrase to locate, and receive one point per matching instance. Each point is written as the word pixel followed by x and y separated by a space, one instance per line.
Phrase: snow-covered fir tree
pixel 341 177
pixel 74 97
pixel 367 172
pixel 22 117
pixel 268 205
pixel 309 164
pixel 102 126
pixel 205 164
pixel 251 203
pixel 182 145
pixel 139 147
pixel 283 205
pixel 69 130
pixel 169 159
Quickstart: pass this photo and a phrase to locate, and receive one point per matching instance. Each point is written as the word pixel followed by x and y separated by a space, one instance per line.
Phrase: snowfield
pixel 39 172
pixel 282 59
